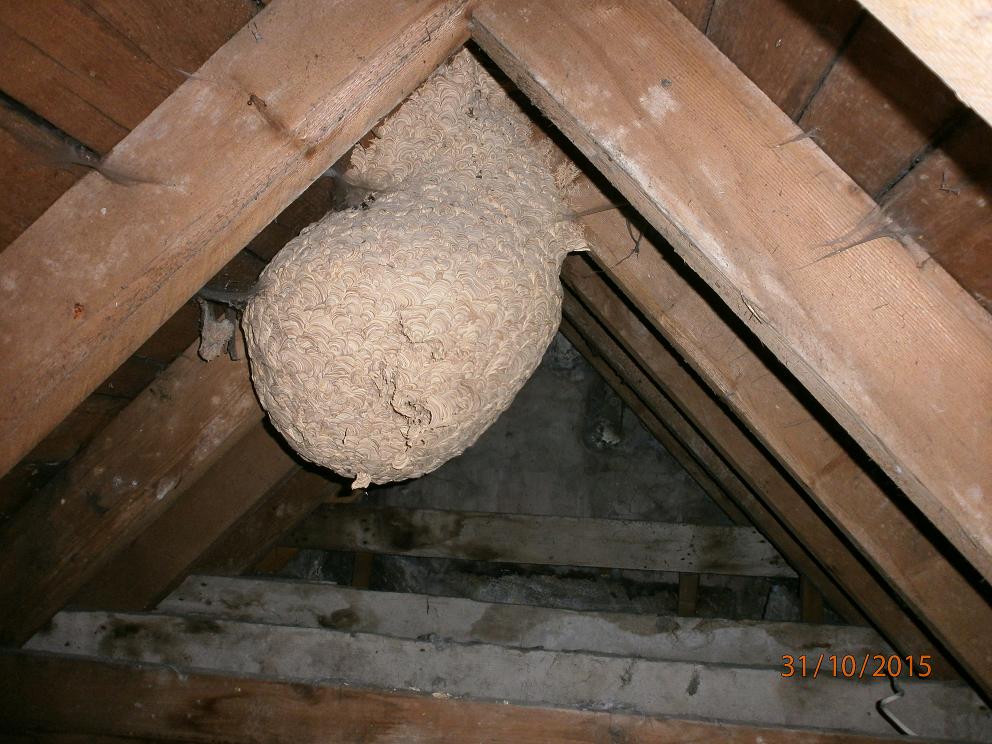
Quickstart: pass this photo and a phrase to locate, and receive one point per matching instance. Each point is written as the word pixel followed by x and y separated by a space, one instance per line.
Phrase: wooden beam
pixel 208 169
pixel 251 537
pixel 665 421
pixel 792 429
pixel 54 694
pixel 534 676
pixel 896 352
pixel 161 557
pixel 834 563
pixel 559 541
pixel 455 619
pixel 128 476
pixel 952 39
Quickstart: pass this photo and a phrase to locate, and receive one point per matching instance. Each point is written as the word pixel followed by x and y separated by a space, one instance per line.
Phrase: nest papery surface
pixel 384 341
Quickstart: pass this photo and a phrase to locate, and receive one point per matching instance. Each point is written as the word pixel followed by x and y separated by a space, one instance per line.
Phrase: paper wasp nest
pixel 385 340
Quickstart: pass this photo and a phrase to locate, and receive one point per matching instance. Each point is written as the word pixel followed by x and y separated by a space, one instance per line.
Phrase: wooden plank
pixel 97 697
pixel 946 201
pixel 258 531
pixel 161 557
pixel 534 676
pixel 877 109
pixel 30 184
pixel 814 453
pixel 784 48
pixel 559 541
pixel 71 325
pixel 413 616
pixel 770 228
pixel 811 601
pixel 135 469
pixel 96 69
pixel 689 594
pixel 772 494
pixel 666 422
pixel 953 39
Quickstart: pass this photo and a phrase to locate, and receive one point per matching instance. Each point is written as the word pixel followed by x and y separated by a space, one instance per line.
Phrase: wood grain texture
pixel 946 202
pixel 52 693
pixel 796 432
pixel 96 69
pixel 953 39
pixel 135 469
pixel 877 109
pixel 251 537
pixel 897 353
pixel 558 541
pixel 130 255
pixel 30 183
pixel 785 47
pixel 161 557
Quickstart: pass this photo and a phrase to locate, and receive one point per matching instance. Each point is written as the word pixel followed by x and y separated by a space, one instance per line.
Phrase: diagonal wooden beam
pixel 952 39
pixel 660 416
pixel 115 257
pixel 129 475
pixel 773 493
pixel 893 349
pixel 161 557
pixel 44 693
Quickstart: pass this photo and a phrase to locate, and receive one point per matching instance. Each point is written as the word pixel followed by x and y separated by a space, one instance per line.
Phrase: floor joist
pixel 796 249
pixel 560 541
pixel 43 693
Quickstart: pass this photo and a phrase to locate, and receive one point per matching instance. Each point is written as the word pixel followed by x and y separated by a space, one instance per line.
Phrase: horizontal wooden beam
pixel 662 418
pixel 127 477
pixel 952 39
pixel 559 541
pixel 534 676
pixel 704 640
pixel 44 693
pixel 895 350
pixel 119 253
pixel 161 557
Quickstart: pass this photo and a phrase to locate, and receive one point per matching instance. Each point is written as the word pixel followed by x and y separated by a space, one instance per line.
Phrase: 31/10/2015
pixel 851 667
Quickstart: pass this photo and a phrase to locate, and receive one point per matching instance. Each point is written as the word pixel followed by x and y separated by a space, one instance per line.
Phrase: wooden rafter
pixel 954 39
pixel 137 467
pixel 106 265
pixel 895 351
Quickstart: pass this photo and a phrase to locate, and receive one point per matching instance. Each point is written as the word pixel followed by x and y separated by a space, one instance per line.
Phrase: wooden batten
pixel 796 250
pixel 190 185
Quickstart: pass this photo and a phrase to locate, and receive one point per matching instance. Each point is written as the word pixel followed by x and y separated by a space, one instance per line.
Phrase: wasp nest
pixel 385 340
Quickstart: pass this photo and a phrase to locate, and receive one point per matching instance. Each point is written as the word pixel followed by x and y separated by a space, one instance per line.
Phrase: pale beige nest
pixel 384 341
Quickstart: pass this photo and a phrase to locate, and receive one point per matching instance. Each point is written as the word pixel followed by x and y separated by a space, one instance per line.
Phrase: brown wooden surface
pixel 878 108
pixel 57 694
pixel 811 601
pixel 30 183
pixel 770 228
pixel 953 39
pixel 161 557
pixel 199 211
pixel 252 536
pixel 135 469
pixel 784 47
pixel 788 424
pixel 96 69
pixel 946 201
